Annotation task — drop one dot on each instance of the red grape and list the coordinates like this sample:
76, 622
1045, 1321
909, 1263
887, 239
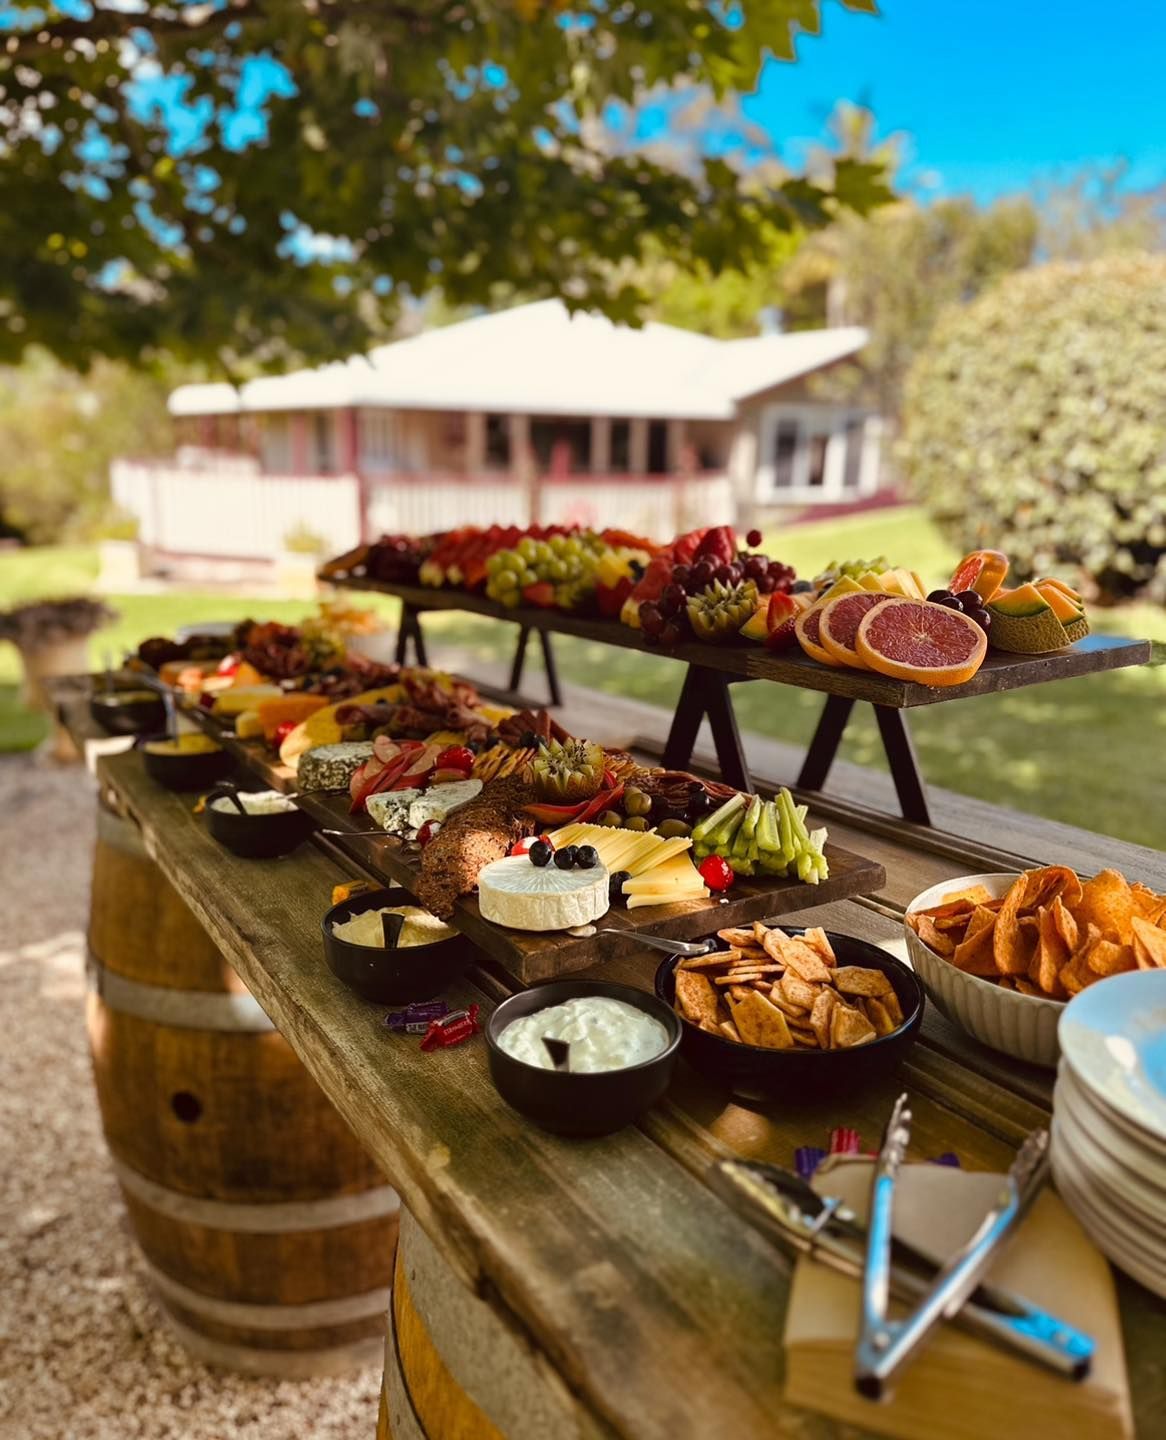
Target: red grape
681, 574
766, 584
702, 573
672, 600
753, 538
756, 566
671, 634
723, 574
651, 620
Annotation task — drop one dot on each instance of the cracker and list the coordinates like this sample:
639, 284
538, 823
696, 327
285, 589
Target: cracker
824, 1005
818, 940
760, 1023
858, 980
799, 957
848, 1028
798, 991
696, 997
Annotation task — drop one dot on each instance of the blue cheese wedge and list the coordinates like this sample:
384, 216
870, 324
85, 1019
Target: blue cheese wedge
401, 812
331, 767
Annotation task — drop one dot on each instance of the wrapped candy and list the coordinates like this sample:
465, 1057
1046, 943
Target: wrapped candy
451, 1029
416, 1019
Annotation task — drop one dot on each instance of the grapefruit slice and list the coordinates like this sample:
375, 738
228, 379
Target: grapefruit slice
916, 640
806, 629
839, 625
982, 571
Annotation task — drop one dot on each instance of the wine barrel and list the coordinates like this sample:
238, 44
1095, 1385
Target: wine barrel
453, 1368
268, 1233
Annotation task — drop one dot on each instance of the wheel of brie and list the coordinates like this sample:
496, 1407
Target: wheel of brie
515, 893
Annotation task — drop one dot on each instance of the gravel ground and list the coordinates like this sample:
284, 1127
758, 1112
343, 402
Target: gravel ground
84, 1351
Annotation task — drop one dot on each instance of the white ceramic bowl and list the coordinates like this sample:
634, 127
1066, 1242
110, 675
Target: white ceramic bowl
1020, 1025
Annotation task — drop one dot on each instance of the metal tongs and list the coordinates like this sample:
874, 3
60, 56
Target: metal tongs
825, 1228
886, 1346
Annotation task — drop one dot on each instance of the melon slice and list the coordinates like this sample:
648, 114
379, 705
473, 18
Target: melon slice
1063, 606
1024, 623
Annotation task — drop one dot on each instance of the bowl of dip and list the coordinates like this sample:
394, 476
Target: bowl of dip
128, 712
428, 957
273, 825
623, 1047
797, 1074
191, 761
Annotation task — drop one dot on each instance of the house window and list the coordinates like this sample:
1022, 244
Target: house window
811, 453
323, 456
561, 447
275, 444
497, 442
657, 447
620, 447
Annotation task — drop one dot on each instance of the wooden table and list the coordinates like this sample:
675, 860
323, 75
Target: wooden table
711, 669
642, 1305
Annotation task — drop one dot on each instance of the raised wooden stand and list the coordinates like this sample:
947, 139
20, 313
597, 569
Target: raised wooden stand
711, 669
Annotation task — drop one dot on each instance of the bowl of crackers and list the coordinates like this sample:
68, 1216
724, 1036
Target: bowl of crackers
1000, 954
774, 1009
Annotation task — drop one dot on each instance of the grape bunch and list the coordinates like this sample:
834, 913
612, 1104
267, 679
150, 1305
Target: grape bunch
664, 621
967, 602
564, 562
851, 568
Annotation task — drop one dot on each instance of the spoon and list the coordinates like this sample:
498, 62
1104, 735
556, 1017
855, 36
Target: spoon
229, 790
686, 948
559, 1051
391, 926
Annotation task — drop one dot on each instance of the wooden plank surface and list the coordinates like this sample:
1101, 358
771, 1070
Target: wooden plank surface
533, 956
658, 1309
999, 671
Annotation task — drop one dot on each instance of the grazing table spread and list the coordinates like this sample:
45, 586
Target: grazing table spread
744, 624
546, 1285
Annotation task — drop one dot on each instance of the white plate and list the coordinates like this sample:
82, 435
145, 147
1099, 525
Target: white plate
1141, 1237
1113, 1036
1130, 1258
1123, 1141
1128, 1193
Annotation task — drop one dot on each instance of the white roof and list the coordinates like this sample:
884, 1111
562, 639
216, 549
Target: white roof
539, 359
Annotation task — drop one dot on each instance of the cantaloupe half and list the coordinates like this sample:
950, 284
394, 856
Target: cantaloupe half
1025, 623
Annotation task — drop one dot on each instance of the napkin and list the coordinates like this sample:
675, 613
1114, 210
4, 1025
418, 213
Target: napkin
958, 1385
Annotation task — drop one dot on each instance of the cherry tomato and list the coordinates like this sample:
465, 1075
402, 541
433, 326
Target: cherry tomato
456, 757
427, 832
522, 847
283, 730
229, 664
716, 872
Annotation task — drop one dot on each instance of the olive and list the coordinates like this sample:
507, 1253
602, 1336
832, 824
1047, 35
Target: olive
636, 822
610, 818
635, 802
673, 829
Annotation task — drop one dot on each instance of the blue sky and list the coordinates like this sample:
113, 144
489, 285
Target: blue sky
996, 94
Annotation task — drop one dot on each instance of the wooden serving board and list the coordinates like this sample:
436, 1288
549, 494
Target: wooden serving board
1000, 671
533, 956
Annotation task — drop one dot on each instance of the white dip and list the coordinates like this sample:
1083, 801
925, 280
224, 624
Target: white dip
367, 928
604, 1034
255, 802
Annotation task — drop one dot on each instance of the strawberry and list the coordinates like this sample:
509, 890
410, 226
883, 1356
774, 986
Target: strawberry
783, 612
541, 594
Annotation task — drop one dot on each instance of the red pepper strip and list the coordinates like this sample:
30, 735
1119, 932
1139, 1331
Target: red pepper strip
609, 779
603, 801
553, 814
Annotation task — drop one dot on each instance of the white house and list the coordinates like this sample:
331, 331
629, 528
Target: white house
522, 414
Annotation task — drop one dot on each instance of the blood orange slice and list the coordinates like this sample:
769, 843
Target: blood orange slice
806, 629
839, 625
916, 640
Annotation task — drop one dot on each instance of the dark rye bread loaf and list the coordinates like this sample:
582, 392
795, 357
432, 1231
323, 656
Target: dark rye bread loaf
472, 837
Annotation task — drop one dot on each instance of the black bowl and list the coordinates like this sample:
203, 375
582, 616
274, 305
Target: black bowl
198, 771
392, 977
570, 1103
258, 837
119, 715
758, 1074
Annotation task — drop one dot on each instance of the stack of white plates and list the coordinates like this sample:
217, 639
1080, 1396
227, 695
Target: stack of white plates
1109, 1120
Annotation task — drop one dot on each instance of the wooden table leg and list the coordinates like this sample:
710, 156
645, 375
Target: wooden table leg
825, 742
706, 693
553, 690
909, 784
410, 629
519, 664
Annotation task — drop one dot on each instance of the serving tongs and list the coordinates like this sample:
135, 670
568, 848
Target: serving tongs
825, 1228
886, 1346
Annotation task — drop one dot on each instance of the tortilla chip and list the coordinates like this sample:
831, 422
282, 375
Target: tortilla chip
1149, 944
973, 895
696, 997
818, 940
858, 980
1108, 958
1067, 927
1011, 948
1026, 987
824, 1005
934, 938
1076, 974
848, 1028
1051, 954
1045, 885
760, 1023
1107, 902
807, 963
975, 955
798, 991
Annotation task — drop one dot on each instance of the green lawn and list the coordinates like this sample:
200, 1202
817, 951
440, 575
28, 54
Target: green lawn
1084, 751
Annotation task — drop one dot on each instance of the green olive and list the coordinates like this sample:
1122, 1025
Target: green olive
636, 822
611, 818
674, 829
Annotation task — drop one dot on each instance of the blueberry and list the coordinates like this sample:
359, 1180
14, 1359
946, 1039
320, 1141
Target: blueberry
587, 857
540, 852
615, 885
565, 858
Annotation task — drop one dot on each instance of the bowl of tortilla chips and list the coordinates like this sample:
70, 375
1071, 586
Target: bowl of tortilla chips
1000, 954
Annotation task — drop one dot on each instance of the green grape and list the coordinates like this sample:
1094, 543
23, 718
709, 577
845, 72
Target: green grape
526, 548
511, 599
574, 546
558, 544
528, 577
557, 570
505, 580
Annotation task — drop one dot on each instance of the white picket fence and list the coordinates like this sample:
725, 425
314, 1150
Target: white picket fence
220, 512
